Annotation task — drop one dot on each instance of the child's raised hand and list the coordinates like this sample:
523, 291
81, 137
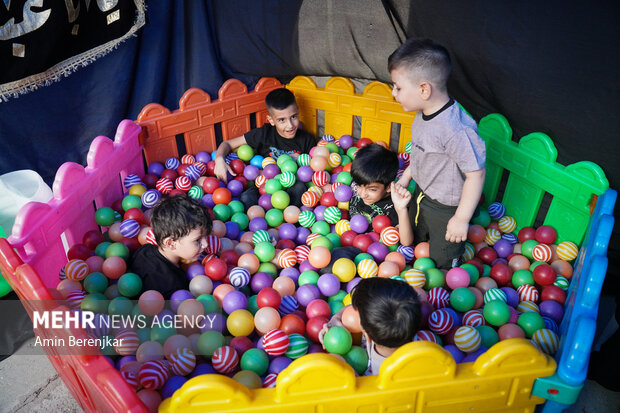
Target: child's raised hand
400, 196
456, 230
221, 169
334, 322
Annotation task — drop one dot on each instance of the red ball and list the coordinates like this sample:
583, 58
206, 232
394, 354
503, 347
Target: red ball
170, 174
241, 344
487, 255
230, 257
328, 199
375, 237
476, 234
268, 297
285, 243
150, 180
554, 293
243, 181
318, 308
176, 192
314, 326
135, 214
80, 251
347, 237
526, 233
493, 225
544, 274
379, 222
210, 184
93, 238
291, 323
222, 196
362, 242
131, 243
237, 166
211, 168
546, 234
261, 189
337, 170
118, 206
363, 142
181, 169
216, 268
501, 273
477, 263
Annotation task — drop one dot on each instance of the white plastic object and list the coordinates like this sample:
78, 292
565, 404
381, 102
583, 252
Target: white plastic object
17, 188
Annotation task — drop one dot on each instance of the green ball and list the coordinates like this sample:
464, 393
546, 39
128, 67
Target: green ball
358, 359
95, 282
321, 227
208, 342
394, 247
273, 185
117, 249
245, 152
536, 264
522, 277
268, 268
462, 299
236, 206
132, 201
308, 277
411, 186
362, 256
144, 334
209, 303
434, 278
107, 348
322, 242
344, 178
240, 219
265, 251
483, 218
222, 212
486, 270
351, 152
338, 297
280, 200
333, 148
161, 332
527, 247
471, 269
488, 335
337, 340
283, 159
530, 322
255, 360
112, 292
95, 302
130, 284
344, 159
496, 312
102, 248
334, 238
104, 216
335, 306
274, 217
423, 264
120, 306
289, 166
252, 306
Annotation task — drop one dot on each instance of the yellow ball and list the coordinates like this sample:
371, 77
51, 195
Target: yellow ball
507, 224
344, 269
567, 250
415, 277
249, 379
347, 299
137, 190
334, 160
267, 161
342, 226
343, 205
240, 323
317, 190
367, 268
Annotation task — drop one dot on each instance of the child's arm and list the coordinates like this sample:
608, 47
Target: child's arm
336, 320
456, 231
226, 147
405, 178
401, 197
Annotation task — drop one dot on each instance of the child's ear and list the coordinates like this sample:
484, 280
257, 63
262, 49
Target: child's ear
425, 90
169, 243
270, 120
388, 188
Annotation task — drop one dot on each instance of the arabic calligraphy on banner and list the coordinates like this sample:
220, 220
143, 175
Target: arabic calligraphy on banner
42, 41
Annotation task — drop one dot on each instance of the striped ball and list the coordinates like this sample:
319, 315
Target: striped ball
439, 297
397, 278
239, 277
408, 147
551, 324
425, 335
317, 190
469, 252
546, 340
183, 183
201, 167
527, 292
510, 237
268, 160
213, 244
321, 143
225, 359
527, 306
100, 325
440, 321
188, 159
389, 236
415, 277
192, 172
367, 268
150, 237
562, 282
231, 156
406, 157
334, 160
131, 378
507, 224
407, 251
473, 318
287, 179
310, 199
130, 228
76, 269
542, 252
304, 159
172, 163
494, 294
195, 192
127, 342
261, 236
307, 219
497, 210
302, 252
150, 198
288, 304
287, 258
332, 215
320, 178
61, 274
343, 226
270, 380
275, 342
467, 339
493, 235
164, 186
260, 181
399, 175
131, 180
311, 237
567, 250
297, 346
153, 374
182, 361
335, 185
327, 138
207, 258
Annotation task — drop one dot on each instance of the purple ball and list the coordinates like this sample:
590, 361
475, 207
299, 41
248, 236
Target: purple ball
232, 230
514, 315
165, 315
207, 200
265, 202
258, 223
319, 212
351, 284
202, 368
178, 297
378, 250
156, 168
456, 317
287, 231
203, 157
278, 364
234, 300
291, 272
333, 178
512, 296
457, 354
194, 270
124, 360
235, 187
551, 325
503, 248
343, 193
307, 293
473, 356
271, 171
251, 172
173, 384
359, 223
302, 234
306, 266
401, 163
551, 309
213, 322
346, 141
328, 284
304, 173
315, 348
425, 311
499, 261
261, 280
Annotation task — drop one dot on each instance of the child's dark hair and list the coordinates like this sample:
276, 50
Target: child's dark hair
374, 163
389, 310
176, 216
424, 59
279, 99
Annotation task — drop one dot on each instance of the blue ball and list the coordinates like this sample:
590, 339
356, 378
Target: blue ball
173, 384
239, 277
202, 368
232, 230
131, 180
150, 198
257, 161
288, 304
130, 228
173, 163
497, 210
192, 172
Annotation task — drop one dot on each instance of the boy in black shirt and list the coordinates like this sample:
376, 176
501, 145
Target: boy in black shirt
280, 136
180, 225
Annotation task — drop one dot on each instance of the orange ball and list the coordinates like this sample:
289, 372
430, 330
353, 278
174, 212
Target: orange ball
319, 257
266, 318
485, 283
222, 196
220, 292
149, 350
114, 232
519, 262
249, 261
291, 214
114, 267
284, 286
563, 268
398, 258
320, 151
150, 398
318, 163
246, 237
351, 319
175, 342
255, 211
422, 250
388, 269
142, 234
66, 286
219, 229
151, 302
347, 167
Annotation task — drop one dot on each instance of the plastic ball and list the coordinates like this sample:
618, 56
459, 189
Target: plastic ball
225, 359
567, 250
275, 342
389, 235
153, 374
440, 321
542, 252
546, 340
507, 224
439, 297
337, 340
76, 269
367, 268
496, 312
462, 299
497, 210
319, 257
457, 277
467, 339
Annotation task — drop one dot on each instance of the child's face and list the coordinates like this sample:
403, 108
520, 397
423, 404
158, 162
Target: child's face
373, 192
286, 121
405, 91
191, 245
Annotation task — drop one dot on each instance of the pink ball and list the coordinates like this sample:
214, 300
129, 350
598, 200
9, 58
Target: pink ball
457, 277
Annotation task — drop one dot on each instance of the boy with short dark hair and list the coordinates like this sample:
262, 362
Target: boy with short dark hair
180, 225
447, 155
281, 135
